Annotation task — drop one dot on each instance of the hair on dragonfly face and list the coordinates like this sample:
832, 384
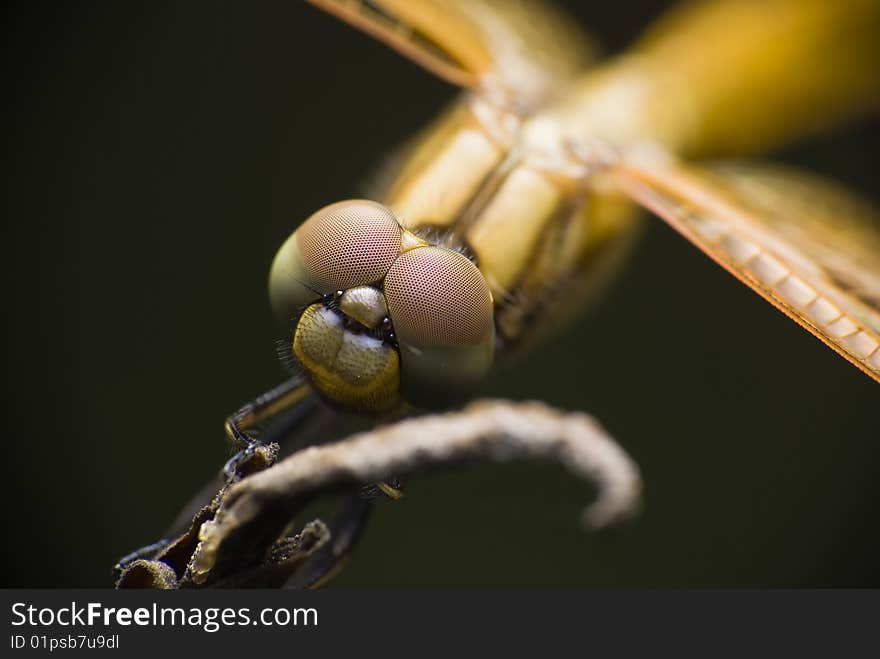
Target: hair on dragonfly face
381, 317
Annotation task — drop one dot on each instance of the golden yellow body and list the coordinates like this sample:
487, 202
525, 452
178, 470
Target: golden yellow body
537, 171
536, 167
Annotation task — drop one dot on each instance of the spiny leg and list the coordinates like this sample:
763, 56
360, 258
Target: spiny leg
346, 529
391, 488
295, 395
142, 552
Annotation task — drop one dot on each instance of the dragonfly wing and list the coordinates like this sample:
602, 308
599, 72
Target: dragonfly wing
803, 243
515, 51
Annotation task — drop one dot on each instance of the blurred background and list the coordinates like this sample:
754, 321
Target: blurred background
162, 152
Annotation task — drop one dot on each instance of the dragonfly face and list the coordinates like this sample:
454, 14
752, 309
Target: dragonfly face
381, 317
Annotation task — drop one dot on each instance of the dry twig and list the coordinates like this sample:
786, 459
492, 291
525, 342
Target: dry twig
257, 510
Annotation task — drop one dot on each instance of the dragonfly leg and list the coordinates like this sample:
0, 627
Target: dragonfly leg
346, 529
141, 552
391, 488
245, 443
241, 426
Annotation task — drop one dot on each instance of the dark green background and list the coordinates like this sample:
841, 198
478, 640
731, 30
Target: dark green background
162, 151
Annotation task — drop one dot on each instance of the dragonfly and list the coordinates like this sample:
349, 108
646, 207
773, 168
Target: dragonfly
521, 197
519, 202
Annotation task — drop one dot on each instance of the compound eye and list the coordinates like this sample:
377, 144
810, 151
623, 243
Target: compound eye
441, 307
437, 297
350, 243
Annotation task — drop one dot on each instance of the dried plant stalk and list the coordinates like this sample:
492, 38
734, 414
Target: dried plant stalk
255, 511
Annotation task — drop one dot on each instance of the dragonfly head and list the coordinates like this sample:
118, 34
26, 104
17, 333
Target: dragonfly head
380, 317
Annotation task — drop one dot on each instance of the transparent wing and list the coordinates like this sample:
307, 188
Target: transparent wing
515, 51
804, 244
